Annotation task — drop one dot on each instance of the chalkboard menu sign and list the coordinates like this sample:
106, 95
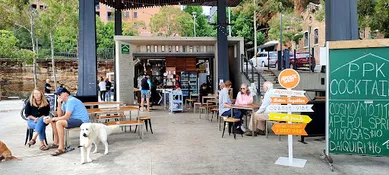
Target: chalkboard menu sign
358, 98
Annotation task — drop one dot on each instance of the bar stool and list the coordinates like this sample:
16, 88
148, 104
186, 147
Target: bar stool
145, 119
230, 121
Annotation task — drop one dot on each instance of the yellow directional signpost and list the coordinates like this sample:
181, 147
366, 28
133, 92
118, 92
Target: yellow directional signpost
289, 79
289, 117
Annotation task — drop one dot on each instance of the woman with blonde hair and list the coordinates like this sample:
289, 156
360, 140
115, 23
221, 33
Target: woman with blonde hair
36, 109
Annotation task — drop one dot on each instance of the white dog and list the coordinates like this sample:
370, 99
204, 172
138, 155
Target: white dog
92, 133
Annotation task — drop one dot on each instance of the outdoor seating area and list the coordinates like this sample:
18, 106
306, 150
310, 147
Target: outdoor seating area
181, 143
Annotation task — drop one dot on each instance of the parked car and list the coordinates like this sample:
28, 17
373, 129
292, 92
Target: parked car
303, 59
264, 59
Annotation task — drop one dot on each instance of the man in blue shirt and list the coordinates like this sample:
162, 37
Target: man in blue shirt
71, 114
225, 102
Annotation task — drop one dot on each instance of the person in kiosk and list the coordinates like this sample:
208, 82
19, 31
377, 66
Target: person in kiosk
71, 114
145, 92
262, 114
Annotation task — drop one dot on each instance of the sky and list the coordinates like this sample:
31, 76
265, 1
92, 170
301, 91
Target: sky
206, 10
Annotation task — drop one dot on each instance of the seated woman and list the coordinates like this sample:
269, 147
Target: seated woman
244, 97
36, 109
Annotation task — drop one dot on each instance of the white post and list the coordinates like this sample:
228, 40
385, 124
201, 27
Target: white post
290, 137
255, 34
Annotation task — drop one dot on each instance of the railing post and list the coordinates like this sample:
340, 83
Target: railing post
294, 60
313, 64
241, 62
247, 67
259, 85
252, 73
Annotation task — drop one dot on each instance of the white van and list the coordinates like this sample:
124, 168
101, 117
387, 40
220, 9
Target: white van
265, 58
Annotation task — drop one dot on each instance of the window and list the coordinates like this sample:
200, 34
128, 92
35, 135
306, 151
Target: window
127, 14
135, 14
306, 39
155, 48
162, 48
109, 16
316, 36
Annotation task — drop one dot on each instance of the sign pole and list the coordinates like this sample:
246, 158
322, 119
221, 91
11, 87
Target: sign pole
290, 138
289, 79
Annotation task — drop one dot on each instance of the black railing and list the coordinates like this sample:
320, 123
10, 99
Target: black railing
249, 72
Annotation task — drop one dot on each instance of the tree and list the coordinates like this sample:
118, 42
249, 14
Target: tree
202, 26
8, 44
380, 20
291, 27
131, 28
170, 21
52, 17
21, 14
365, 10
9, 49
242, 20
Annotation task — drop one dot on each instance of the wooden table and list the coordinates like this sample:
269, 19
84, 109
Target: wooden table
95, 111
251, 107
209, 97
91, 104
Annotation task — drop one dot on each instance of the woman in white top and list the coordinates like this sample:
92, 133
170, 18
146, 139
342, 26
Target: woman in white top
103, 89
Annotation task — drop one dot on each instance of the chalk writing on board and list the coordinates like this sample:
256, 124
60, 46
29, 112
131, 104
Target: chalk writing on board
366, 77
359, 111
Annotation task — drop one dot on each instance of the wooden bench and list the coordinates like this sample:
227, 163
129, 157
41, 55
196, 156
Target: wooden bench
129, 123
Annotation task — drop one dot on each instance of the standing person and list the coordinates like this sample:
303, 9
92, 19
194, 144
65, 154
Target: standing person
37, 108
225, 103
108, 86
145, 92
48, 87
103, 89
262, 114
71, 114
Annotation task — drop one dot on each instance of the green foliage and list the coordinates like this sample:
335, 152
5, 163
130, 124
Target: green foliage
320, 14
380, 21
65, 40
365, 10
8, 44
9, 49
170, 21
131, 28
25, 55
291, 25
202, 26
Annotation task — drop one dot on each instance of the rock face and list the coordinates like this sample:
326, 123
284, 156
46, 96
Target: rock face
16, 78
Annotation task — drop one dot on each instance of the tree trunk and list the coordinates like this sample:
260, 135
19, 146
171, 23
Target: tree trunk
33, 48
52, 59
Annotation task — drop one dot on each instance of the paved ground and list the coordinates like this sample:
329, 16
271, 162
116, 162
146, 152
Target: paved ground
181, 144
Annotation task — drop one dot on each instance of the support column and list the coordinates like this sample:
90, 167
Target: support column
118, 31
87, 61
222, 45
341, 20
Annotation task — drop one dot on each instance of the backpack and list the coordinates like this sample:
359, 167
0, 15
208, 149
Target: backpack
144, 85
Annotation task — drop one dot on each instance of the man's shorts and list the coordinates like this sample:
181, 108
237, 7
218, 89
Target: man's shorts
74, 123
146, 94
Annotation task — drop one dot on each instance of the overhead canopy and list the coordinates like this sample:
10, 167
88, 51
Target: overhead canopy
134, 4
